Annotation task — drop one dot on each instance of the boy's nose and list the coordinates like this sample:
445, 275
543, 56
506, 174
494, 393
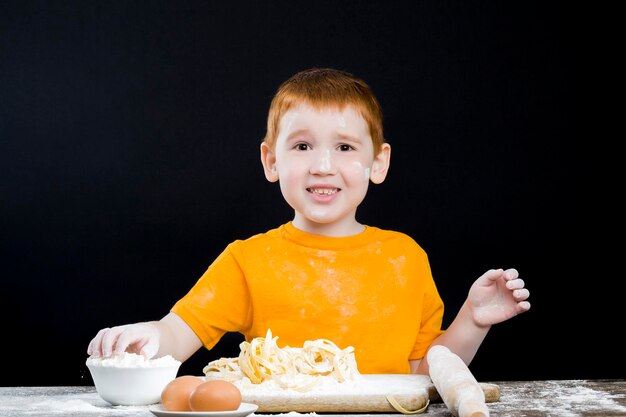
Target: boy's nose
323, 163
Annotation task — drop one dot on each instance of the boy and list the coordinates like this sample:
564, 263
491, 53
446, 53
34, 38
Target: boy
324, 275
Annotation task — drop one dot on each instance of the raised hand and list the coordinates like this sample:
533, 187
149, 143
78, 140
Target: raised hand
497, 296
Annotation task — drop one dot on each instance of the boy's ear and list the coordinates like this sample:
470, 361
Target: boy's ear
268, 159
380, 167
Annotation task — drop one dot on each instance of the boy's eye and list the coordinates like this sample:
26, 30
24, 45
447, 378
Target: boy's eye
302, 146
345, 148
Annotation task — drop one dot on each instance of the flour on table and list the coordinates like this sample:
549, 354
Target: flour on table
572, 401
84, 405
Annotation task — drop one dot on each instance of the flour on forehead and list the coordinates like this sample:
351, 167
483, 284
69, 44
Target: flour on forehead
289, 118
346, 119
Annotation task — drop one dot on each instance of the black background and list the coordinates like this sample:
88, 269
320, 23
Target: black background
129, 158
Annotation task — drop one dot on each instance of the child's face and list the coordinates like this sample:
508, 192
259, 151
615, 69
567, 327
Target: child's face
323, 160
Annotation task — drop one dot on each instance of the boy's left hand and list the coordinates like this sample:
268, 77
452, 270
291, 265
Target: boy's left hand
497, 296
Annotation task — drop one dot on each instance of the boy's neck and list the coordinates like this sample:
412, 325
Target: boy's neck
347, 227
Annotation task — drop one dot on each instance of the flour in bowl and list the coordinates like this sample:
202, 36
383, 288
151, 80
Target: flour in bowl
132, 360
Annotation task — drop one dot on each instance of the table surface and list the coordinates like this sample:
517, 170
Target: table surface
566, 398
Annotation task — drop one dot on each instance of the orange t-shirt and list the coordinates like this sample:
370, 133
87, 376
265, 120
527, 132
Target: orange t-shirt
373, 291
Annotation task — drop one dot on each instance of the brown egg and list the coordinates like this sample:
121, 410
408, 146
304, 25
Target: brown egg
175, 395
215, 395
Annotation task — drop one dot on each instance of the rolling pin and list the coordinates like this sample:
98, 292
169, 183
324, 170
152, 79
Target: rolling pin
456, 385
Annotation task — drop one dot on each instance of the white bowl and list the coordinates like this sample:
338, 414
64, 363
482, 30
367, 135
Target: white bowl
132, 384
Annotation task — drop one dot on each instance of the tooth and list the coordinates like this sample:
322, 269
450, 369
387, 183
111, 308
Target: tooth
323, 191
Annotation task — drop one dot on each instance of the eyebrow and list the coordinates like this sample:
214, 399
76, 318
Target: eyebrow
296, 133
349, 138
342, 136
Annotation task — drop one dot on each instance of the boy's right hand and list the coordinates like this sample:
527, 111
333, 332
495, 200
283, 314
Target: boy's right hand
141, 338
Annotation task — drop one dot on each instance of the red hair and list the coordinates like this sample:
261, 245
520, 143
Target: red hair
321, 88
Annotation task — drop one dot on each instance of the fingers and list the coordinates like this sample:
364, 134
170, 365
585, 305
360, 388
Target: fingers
523, 306
107, 342
518, 291
511, 274
521, 294
121, 340
515, 284
150, 349
111, 343
512, 282
138, 338
142, 338
95, 346
490, 276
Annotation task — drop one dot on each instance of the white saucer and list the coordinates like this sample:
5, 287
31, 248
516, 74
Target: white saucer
243, 410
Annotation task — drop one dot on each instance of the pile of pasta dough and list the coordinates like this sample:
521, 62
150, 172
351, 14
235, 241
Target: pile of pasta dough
300, 369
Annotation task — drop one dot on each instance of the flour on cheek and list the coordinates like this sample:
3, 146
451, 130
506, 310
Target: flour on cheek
358, 166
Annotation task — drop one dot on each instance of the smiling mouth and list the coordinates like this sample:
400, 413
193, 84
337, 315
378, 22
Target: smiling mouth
323, 191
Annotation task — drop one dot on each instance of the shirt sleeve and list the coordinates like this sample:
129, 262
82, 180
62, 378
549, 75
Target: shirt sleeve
219, 302
432, 318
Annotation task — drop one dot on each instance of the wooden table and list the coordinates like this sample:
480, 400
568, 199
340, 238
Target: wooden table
570, 398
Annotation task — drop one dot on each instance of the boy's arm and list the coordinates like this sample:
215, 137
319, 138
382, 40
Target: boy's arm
496, 296
169, 336
177, 338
